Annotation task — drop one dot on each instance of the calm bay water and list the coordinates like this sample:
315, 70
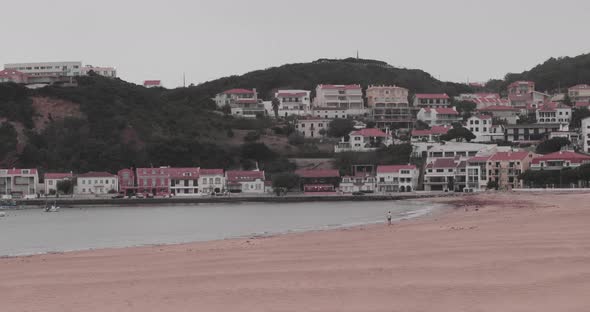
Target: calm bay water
32, 231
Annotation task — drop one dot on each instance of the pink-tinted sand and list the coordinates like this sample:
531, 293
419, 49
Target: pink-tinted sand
518, 252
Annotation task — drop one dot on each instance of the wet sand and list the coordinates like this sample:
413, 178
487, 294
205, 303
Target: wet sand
494, 252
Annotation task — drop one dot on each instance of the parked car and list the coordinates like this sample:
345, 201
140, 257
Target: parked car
358, 193
118, 196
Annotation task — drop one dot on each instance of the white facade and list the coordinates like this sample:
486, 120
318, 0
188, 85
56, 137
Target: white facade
579, 93
311, 128
19, 182
461, 150
96, 184
347, 97
293, 102
561, 114
243, 102
358, 183
585, 137
484, 130
51, 180
47, 72
397, 178
364, 140
211, 181
439, 116
110, 72
435, 100
329, 113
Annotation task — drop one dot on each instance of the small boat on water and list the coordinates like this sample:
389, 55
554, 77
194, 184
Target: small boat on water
2, 214
53, 208
7, 204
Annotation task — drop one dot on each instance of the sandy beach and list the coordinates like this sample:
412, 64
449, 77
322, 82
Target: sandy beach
493, 252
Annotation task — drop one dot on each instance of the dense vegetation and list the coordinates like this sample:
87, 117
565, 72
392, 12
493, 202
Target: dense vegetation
557, 178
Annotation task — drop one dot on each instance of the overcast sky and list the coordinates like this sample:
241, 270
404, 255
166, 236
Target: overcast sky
456, 40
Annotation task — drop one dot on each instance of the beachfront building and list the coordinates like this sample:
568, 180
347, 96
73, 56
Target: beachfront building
397, 178
483, 129
150, 182
364, 140
505, 113
439, 116
432, 100
47, 72
243, 102
212, 181
96, 183
184, 181
344, 97
12, 75
246, 182
105, 71
529, 132
329, 113
390, 107
559, 160
585, 135
360, 182
439, 174
152, 83
476, 174
429, 135
19, 183
311, 127
553, 112
127, 182
293, 102
505, 168
50, 181
461, 150
579, 93
318, 181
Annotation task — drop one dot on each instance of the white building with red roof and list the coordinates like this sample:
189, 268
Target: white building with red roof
519, 93
360, 182
439, 116
312, 127
184, 181
390, 107
397, 178
553, 112
483, 128
50, 181
12, 75
152, 83
243, 102
212, 181
559, 160
508, 114
20, 183
579, 93
294, 102
364, 140
505, 168
439, 174
245, 182
429, 135
343, 97
96, 183
585, 135
432, 100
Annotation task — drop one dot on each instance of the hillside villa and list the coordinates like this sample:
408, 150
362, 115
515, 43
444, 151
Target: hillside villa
397, 178
364, 140
439, 116
243, 102
431, 100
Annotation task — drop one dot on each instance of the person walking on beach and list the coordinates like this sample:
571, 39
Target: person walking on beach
389, 218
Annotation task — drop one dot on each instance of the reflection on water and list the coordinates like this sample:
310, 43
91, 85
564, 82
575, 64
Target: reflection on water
33, 231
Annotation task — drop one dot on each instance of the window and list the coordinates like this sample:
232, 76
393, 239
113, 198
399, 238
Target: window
83, 190
50, 182
83, 181
204, 180
217, 180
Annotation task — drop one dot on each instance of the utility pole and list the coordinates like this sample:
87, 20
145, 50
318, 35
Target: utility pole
183, 80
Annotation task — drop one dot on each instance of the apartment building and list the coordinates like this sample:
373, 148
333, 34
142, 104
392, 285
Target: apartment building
559, 160
96, 183
360, 182
579, 93
150, 182
519, 93
461, 150
529, 132
390, 107
439, 174
312, 127
553, 112
508, 114
184, 181
11, 75
397, 178
432, 100
429, 135
330, 113
483, 129
246, 182
47, 72
50, 181
476, 173
505, 168
439, 116
212, 181
243, 102
364, 140
293, 102
585, 135
20, 183
344, 97
105, 71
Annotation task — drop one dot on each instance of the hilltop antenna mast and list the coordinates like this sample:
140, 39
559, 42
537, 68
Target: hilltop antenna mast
183, 80
357, 54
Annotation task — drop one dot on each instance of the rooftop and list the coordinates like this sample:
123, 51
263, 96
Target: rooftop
238, 91
443, 163
432, 96
394, 168
93, 174
318, 173
570, 156
370, 132
152, 83
442, 111
506, 156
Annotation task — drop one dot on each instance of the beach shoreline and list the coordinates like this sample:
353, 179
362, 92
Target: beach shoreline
490, 252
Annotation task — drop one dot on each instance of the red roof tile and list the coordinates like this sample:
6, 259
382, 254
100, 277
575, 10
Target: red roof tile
570, 156
580, 87
16, 171
582, 104
517, 83
152, 83
286, 94
211, 172
57, 176
93, 174
239, 91
180, 173
443, 163
446, 111
483, 116
432, 96
506, 156
370, 132
339, 87
432, 131
497, 108
318, 173
234, 176
394, 168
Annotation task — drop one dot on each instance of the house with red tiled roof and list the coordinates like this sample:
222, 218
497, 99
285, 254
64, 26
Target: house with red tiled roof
559, 160
246, 182
364, 140
359, 182
483, 128
293, 102
579, 93
96, 183
317, 181
431, 100
12, 75
19, 183
152, 83
212, 181
505, 168
506, 113
439, 174
243, 102
553, 112
439, 116
429, 135
50, 181
397, 178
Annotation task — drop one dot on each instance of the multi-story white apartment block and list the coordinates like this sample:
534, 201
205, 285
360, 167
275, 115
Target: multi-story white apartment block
329, 113
19, 182
312, 127
439, 174
364, 140
293, 102
552, 113
529, 132
361, 182
580, 93
397, 178
519, 93
439, 116
432, 100
461, 150
110, 72
243, 102
585, 135
508, 114
96, 183
483, 129
47, 72
184, 181
390, 107
212, 181
51, 180
476, 174
343, 97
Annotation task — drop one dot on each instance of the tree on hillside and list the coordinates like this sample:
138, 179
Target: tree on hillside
257, 152
584, 173
275, 107
458, 133
567, 100
465, 108
578, 115
8, 139
340, 127
552, 145
65, 187
421, 125
283, 182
